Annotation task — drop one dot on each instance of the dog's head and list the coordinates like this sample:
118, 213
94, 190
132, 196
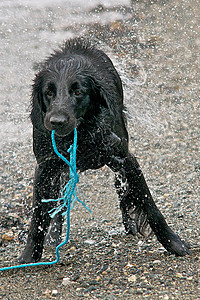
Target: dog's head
71, 88
64, 94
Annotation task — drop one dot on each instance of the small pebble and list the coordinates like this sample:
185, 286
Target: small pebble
47, 292
179, 275
9, 236
104, 272
98, 278
66, 281
90, 242
165, 195
54, 292
128, 265
132, 278
72, 249
190, 278
156, 262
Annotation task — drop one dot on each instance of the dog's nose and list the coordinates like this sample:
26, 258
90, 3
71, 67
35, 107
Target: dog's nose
58, 121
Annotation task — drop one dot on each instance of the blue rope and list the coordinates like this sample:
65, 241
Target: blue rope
68, 197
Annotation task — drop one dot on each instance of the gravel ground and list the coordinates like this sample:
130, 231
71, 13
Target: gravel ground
155, 47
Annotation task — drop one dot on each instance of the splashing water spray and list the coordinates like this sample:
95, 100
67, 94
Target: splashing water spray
68, 199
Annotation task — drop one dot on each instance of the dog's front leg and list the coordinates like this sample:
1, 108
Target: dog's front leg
138, 208
46, 186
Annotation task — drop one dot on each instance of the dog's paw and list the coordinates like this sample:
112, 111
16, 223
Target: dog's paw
29, 255
177, 246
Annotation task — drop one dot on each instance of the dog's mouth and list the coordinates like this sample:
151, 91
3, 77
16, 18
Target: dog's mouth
64, 129
62, 133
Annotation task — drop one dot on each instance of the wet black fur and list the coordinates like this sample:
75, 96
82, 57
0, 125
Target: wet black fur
78, 86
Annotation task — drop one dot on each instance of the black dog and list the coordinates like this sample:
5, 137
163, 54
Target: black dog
78, 86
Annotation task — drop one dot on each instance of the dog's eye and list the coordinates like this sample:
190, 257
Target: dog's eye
77, 92
49, 93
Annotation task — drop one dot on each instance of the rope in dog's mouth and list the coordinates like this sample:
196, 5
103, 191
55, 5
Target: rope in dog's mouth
67, 199
68, 193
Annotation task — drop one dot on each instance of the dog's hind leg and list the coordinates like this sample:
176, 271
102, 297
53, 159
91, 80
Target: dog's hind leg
139, 211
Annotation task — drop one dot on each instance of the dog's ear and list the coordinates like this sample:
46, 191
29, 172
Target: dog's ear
37, 111
109, 94
112, 99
